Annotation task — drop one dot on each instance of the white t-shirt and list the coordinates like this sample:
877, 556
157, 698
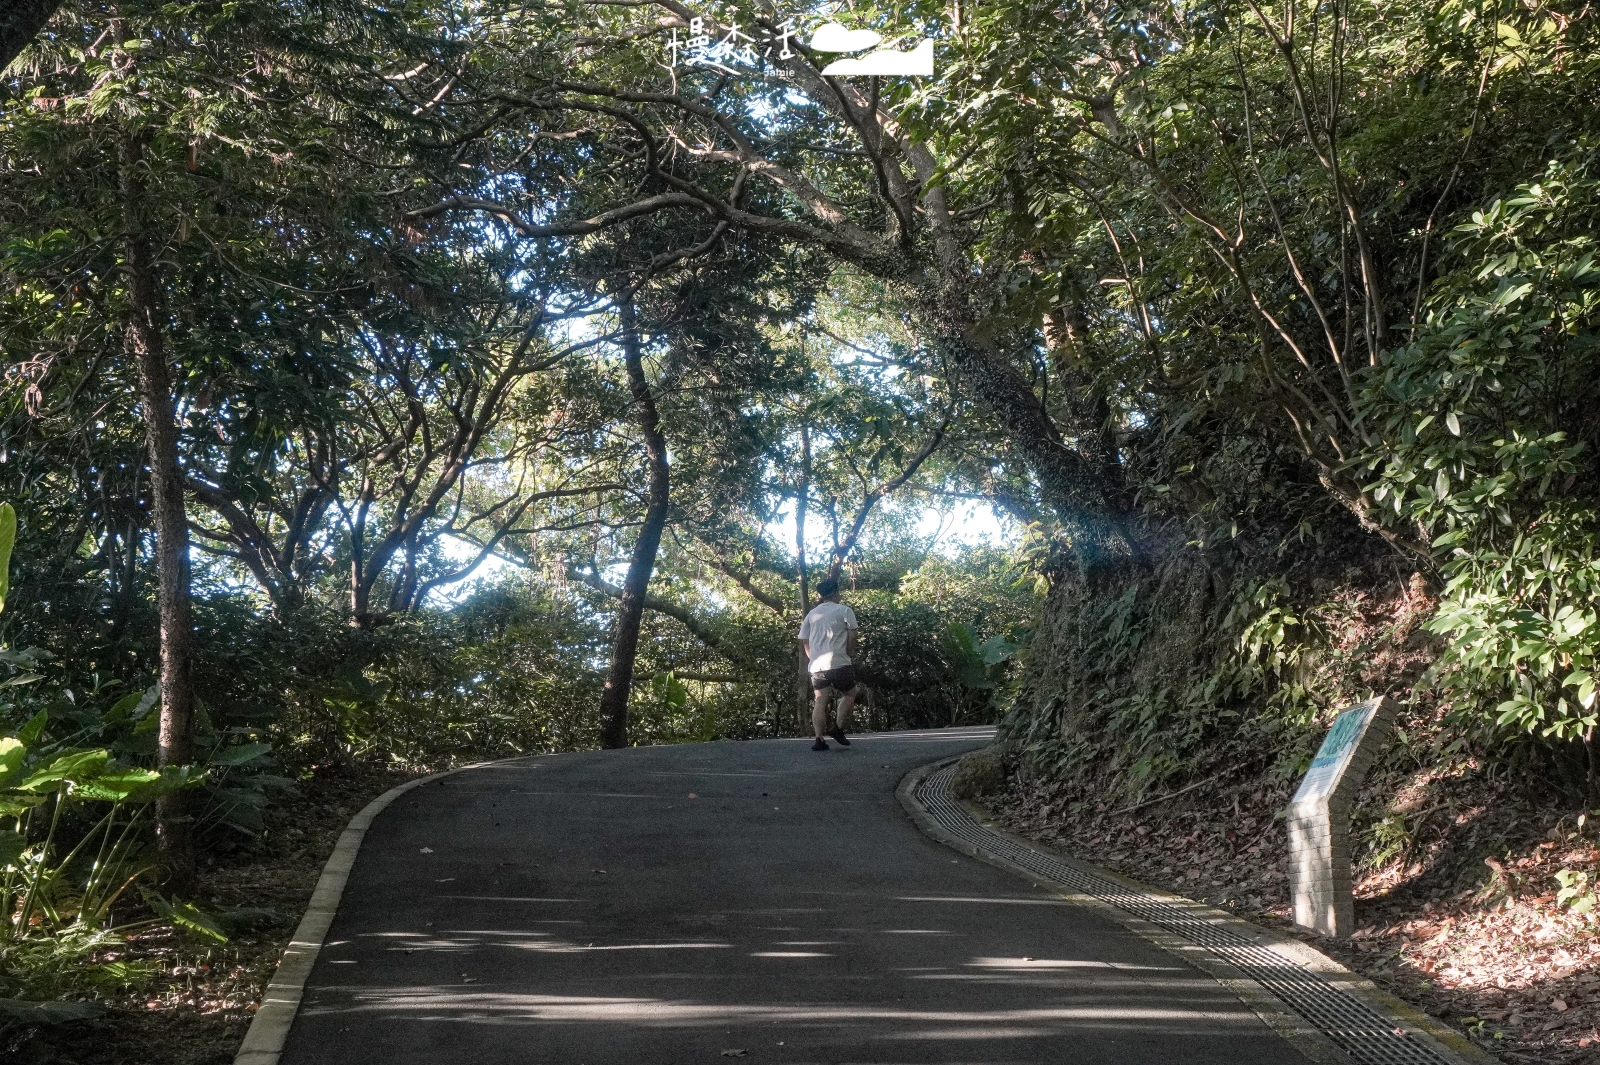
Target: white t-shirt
827, 629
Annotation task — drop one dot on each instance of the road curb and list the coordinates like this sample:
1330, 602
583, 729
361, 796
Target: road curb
1306, 1038
269, 1030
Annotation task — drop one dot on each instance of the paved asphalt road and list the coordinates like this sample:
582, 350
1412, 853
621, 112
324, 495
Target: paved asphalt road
754, 901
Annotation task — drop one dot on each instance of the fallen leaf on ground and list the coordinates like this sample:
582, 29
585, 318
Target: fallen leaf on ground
1455, 933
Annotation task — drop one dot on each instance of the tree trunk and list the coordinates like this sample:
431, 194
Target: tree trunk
146, 344
1066, 334
630, 608
802, 499
1100, 540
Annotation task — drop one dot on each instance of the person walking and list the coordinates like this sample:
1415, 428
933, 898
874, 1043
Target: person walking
828, 635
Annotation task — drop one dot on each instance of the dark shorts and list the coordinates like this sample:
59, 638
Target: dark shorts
841, 680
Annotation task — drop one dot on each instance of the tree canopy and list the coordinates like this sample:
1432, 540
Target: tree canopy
455, 379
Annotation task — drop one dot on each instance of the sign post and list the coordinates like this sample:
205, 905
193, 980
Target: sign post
1319, 817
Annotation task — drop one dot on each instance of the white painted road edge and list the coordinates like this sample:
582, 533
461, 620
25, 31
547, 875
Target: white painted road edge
263, 1043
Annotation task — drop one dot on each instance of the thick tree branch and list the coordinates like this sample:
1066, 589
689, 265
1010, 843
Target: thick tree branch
697, 628
582, 227
747, 582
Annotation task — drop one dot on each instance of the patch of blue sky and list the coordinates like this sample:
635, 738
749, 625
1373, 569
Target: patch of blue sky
943, 526
961, 524
458, 552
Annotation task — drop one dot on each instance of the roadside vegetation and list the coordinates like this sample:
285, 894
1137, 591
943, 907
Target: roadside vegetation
386, 388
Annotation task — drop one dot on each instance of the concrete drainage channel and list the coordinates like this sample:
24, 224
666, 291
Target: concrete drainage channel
1363, 1024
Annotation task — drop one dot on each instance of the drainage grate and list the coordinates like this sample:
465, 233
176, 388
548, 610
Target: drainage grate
1362, 1033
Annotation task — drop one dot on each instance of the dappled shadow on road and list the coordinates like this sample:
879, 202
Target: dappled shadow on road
531, 922
1106, 1008
802, 991
464, 941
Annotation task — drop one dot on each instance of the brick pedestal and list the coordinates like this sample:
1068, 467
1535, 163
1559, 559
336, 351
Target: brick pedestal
1319, 817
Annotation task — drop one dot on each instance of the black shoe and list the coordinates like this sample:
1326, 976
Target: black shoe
820, 745
838, 737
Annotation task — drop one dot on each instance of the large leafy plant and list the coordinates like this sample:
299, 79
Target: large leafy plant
56, 897
1477, 418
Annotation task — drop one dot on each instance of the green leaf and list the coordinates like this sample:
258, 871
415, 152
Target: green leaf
73, 767
24, 659
12, 751
30, 733
670, 690
8, 537
151, 695
122, 707
239, 754
188, 915
16, 805
1453, 423
12, 844
117, 785
996, 649
171, 778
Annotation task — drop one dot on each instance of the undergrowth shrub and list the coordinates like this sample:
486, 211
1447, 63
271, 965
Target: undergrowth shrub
1487, 445
1202, 668
76, 855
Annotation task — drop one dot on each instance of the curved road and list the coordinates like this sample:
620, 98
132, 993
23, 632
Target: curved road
674, 905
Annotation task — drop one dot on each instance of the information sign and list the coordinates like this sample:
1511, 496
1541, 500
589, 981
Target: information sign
1333, 757
1319, 817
